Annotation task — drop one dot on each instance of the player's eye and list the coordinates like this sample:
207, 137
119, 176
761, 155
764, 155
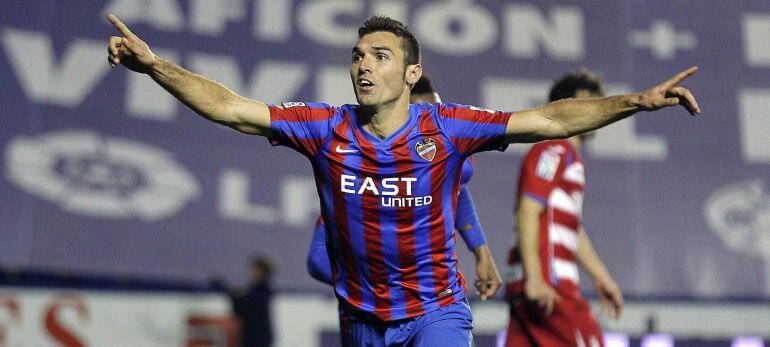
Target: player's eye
357, 57
382, 56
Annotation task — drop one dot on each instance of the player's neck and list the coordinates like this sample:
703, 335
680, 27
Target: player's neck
577, 142
384, 120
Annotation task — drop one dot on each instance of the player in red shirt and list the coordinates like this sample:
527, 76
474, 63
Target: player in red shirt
543, 283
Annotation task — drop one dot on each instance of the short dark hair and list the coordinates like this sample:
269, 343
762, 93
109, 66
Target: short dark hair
582, 78
423, 86
409, 43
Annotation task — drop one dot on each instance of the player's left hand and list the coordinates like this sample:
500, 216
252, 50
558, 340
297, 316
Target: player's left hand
128, 49
669, 93
610, 297
488, 280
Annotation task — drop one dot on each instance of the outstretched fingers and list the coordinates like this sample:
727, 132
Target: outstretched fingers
548, 302
113, 49
686, 99
604, 305
120, 26
617, 301
680, 77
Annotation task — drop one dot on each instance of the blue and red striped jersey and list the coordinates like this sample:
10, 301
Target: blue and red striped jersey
389, 204
466, 223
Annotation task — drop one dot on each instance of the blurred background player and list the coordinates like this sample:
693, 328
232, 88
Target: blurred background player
252, 305
546, 306
467, 222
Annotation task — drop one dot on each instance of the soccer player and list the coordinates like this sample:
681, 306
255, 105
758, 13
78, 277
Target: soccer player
388, 172
546, 306
467, 222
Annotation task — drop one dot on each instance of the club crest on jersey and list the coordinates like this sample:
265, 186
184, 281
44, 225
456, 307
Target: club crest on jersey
426, 148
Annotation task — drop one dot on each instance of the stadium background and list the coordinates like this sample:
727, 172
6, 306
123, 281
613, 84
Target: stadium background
105, 175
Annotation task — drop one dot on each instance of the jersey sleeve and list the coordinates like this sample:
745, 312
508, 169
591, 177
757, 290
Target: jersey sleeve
300, 126
474, 129
318, 265
467, 221
540, 171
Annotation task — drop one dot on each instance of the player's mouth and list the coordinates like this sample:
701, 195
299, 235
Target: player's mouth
365, 85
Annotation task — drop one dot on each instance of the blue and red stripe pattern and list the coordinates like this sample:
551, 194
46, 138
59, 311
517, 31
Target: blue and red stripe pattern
389, 204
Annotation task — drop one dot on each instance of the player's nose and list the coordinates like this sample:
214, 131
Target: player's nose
365, 65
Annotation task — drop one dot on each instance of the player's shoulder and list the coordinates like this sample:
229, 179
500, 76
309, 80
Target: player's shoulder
286, 105
306, 111
545, 159
452, 107
552, 147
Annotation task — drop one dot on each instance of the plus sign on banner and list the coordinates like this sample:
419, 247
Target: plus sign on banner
663, 40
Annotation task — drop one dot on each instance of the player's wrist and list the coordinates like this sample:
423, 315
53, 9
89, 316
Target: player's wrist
602, 278
158, 66
481, 252
534, 281
632, 102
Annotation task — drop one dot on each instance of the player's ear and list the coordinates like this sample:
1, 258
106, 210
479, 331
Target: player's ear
413, 74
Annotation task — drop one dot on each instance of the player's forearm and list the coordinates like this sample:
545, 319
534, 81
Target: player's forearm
588, 259
576, 116
482, 252
529, 245
570, 117
206, 97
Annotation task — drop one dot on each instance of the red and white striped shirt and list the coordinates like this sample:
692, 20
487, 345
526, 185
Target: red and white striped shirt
552, 173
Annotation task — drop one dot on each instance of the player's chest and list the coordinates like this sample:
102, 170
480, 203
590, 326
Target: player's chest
572, 178
410, 153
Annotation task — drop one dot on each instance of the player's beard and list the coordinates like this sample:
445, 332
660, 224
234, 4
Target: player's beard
381, 97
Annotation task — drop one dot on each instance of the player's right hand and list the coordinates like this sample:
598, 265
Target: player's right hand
669, 93
128, 49
610, 297
542, 294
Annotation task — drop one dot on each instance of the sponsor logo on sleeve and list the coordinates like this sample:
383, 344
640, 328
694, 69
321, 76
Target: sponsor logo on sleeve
481, 109
547, 165
293, 104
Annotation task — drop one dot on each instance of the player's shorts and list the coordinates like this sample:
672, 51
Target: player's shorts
571, 324
449, 326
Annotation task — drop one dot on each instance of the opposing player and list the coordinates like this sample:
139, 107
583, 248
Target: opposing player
546, 306
388, 173
467, 222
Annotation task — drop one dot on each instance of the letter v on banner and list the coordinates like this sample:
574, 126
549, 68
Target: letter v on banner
42, 79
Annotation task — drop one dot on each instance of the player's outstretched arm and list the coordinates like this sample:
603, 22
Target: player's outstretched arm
566, 118
610, 296
208, 98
